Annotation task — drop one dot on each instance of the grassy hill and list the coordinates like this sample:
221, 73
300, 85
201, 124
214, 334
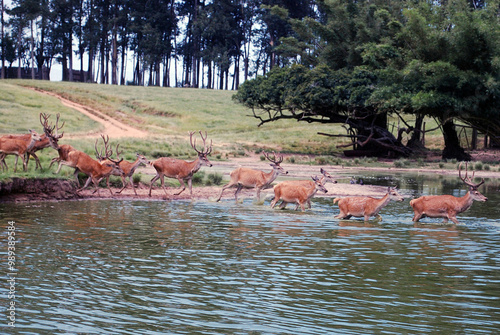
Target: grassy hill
167, 114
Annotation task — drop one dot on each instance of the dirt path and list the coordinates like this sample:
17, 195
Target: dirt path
112, 127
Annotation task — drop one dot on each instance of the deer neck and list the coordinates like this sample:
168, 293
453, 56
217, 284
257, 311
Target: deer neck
31, 144
194, 166
270, 176
464, 202
383, 201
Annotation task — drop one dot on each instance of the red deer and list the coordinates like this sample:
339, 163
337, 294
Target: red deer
297, 193
447, 206
92, 168
39, 145
128, 169
62, 150
17, 145
365, 206
78, 159
244, 177
180, 169
309, 183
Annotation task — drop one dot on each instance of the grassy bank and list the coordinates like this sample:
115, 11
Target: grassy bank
167, 114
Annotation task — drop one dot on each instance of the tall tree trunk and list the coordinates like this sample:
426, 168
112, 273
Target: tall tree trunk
90, 68
32, 51
19, 37
415, 142
123, 68
2, 40
70, 55
452, 148
114, 55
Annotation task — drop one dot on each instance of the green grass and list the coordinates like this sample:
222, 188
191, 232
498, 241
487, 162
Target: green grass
168, 114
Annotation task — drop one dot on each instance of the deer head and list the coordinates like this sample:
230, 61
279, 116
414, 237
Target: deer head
48, 129
202, 154
474, 193
275, 160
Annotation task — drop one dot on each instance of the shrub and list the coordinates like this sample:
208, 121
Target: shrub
214, 179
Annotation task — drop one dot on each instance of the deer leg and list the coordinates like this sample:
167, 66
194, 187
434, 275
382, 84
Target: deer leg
124, 185
302, 206
182, 185
417, 217
343, 215
257, 194
223, 188
37, 160
75, 174
162, 180
107, 184
379, 217
2, 162
283, 204
15, 165
25, 163
155, 178
87, 183
275, 200
96, 184
238, 189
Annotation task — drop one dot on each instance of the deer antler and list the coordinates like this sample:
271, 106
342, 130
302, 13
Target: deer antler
206, 151
108, 152
468, 180
274, 160
48, 129
118, 153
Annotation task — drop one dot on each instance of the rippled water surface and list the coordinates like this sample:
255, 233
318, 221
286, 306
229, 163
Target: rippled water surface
138, 267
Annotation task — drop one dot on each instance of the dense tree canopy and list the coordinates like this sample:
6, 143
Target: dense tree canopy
367, 59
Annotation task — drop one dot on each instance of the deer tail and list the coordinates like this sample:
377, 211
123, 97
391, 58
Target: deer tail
412, 202
336, 200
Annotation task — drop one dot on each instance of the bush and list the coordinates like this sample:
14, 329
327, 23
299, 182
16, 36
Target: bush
136, 178
214, 179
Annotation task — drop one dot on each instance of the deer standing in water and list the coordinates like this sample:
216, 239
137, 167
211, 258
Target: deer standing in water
448, 206
243, 177
308, 183
365, 206
180, 169
299, 193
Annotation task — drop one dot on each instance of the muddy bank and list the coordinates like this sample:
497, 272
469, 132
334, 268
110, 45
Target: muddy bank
50, 189
21, 189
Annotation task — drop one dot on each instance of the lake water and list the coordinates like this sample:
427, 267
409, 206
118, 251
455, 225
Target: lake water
157, 267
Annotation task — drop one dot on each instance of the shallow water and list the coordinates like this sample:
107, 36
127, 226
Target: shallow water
137, 267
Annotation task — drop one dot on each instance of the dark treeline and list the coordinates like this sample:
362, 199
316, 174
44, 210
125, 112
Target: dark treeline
199, 43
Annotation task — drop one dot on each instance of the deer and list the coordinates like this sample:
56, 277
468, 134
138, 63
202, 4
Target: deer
243, 177
62, 150
299, 193
366, 206
79, 160
448, 206
94, 169
39, 145
309, 183
16, 145
128, 169
180, 169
